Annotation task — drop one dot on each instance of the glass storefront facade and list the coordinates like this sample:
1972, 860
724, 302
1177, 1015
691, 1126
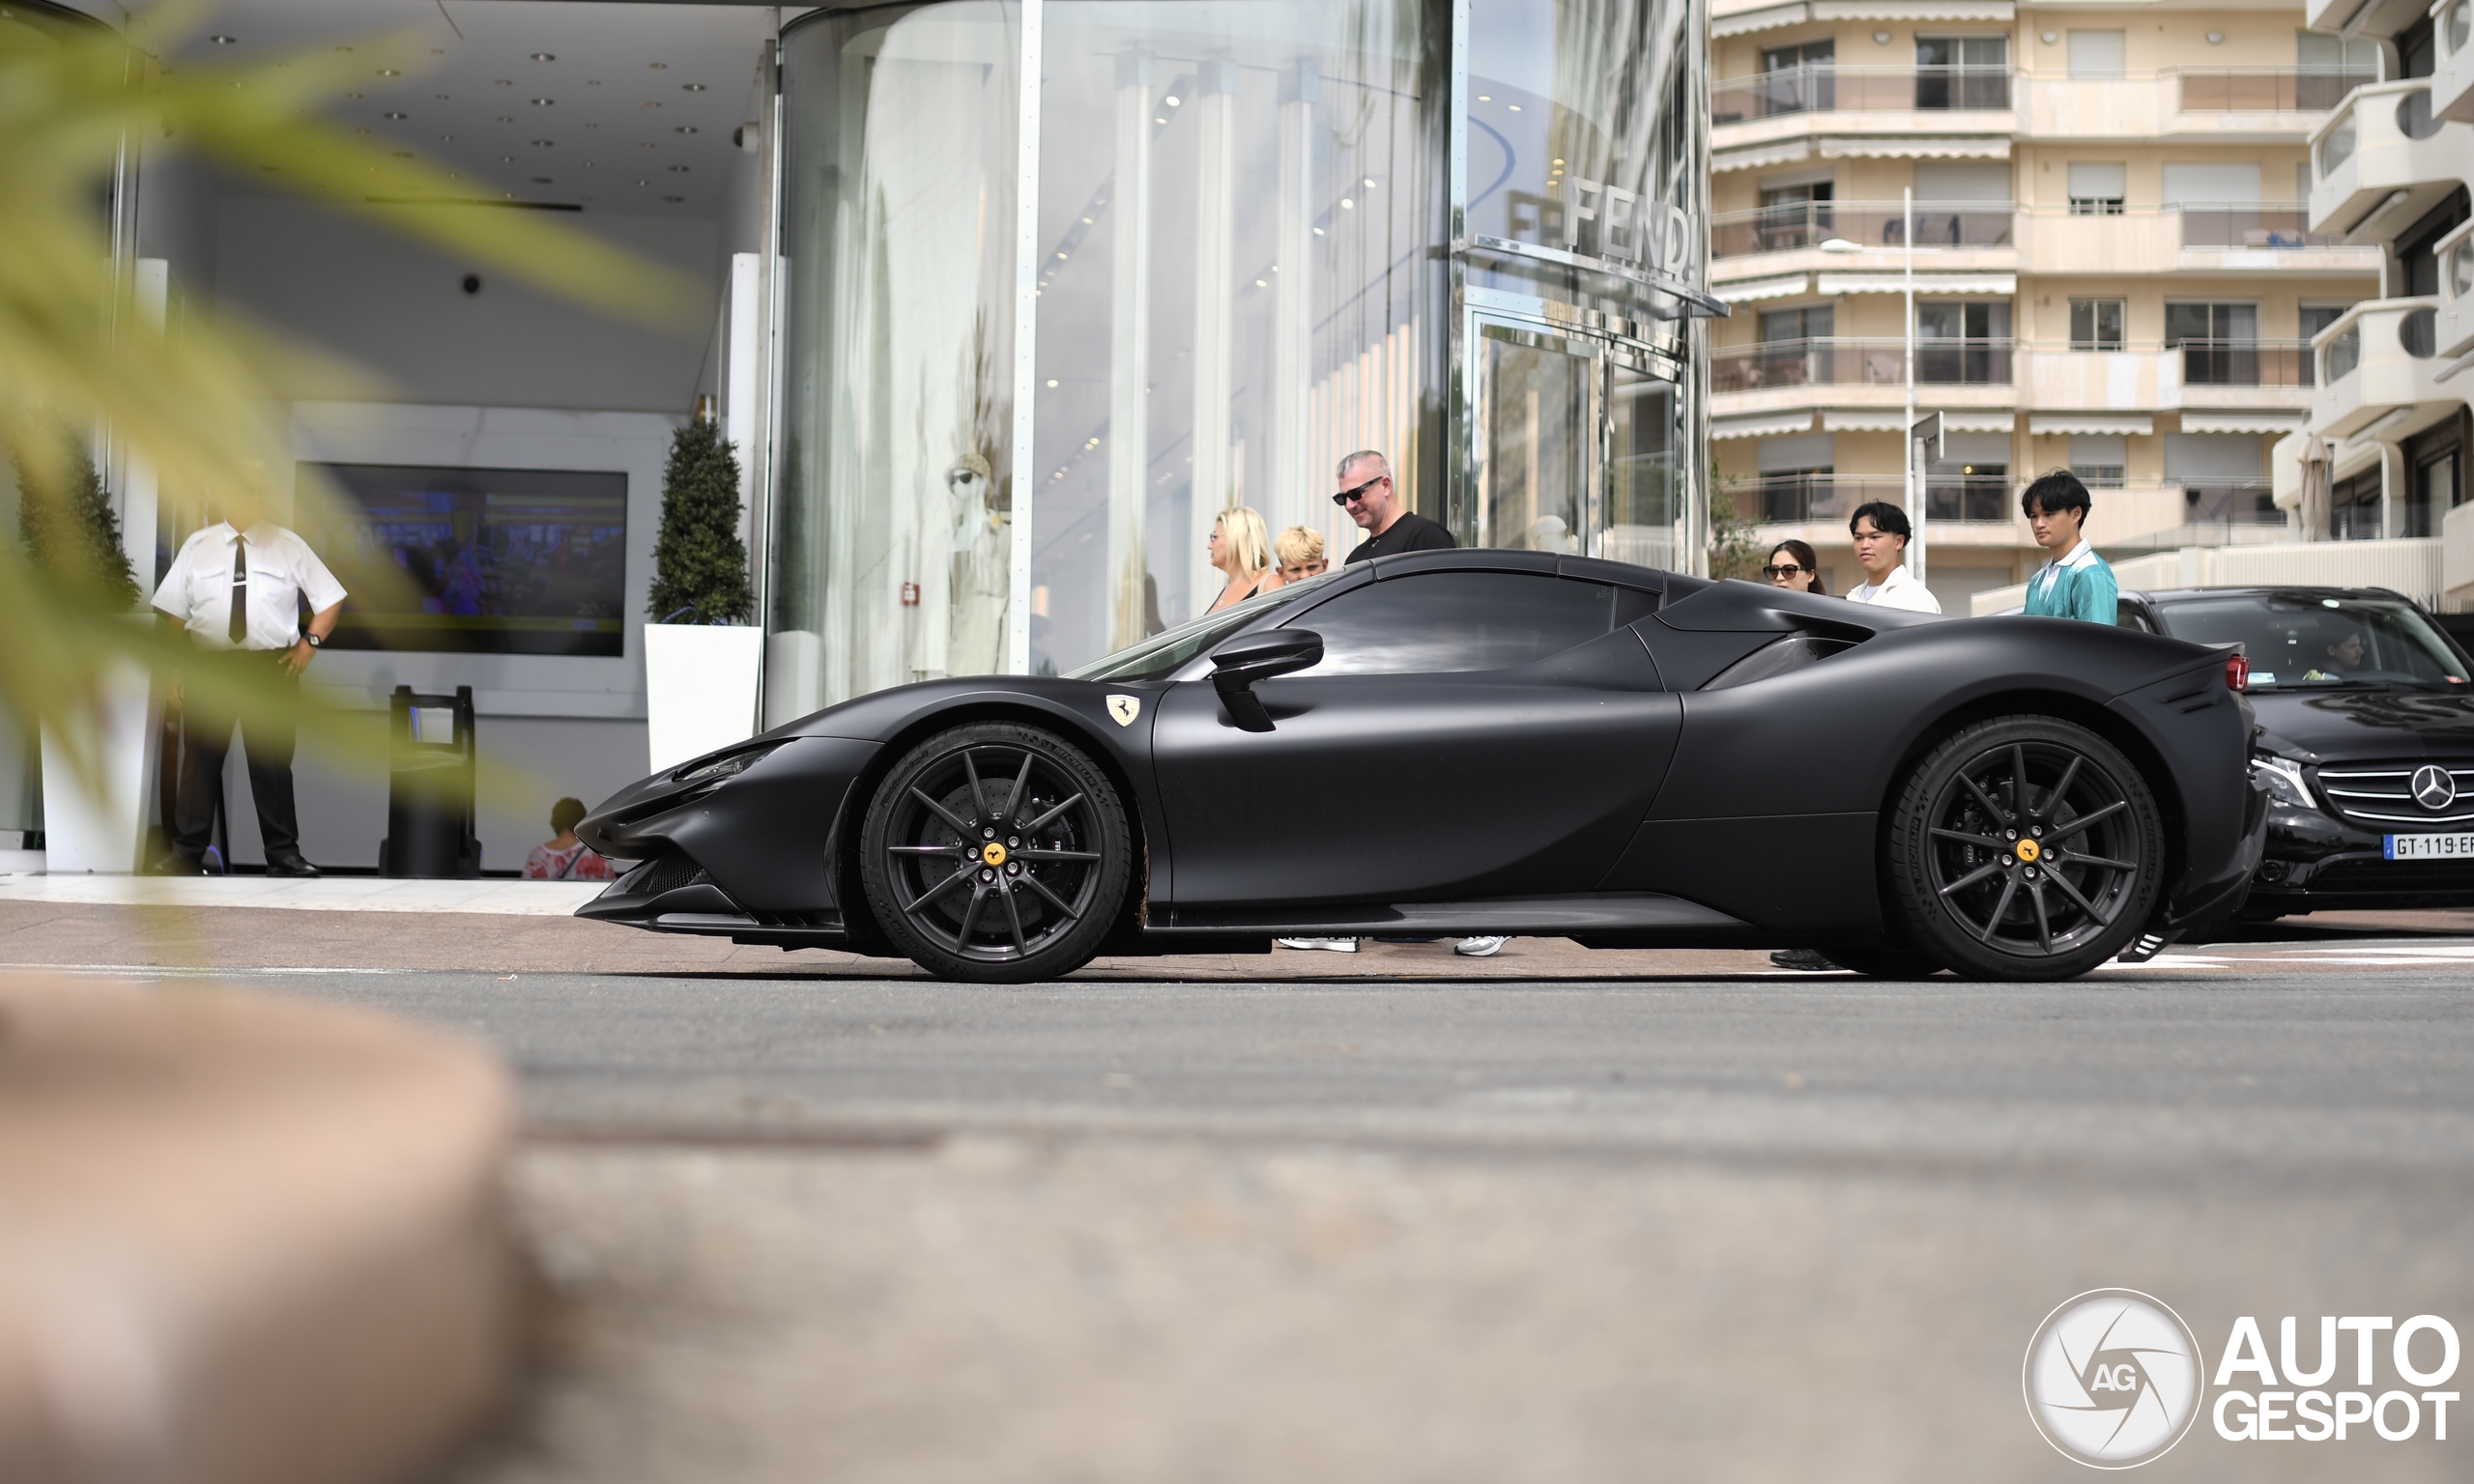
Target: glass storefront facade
1246, 238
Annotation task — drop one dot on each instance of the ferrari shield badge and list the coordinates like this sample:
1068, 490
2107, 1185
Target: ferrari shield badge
1125, 708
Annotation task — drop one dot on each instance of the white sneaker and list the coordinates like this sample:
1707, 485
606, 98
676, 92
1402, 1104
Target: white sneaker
1480, 947
1336, 945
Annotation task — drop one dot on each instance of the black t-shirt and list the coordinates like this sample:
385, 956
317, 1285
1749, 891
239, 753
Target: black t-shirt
1411, 533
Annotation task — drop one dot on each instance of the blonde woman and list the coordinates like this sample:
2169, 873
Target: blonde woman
1299, 550
1241, 549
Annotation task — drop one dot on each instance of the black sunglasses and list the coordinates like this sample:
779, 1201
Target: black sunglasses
1789, 569
1345, 495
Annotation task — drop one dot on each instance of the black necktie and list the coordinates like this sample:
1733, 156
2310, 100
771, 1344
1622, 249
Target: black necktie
239, 626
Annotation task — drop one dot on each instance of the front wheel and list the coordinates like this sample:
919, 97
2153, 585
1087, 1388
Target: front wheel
996, 853
2026, 847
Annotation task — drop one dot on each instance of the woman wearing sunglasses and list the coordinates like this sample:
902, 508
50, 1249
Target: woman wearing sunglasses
1794, 565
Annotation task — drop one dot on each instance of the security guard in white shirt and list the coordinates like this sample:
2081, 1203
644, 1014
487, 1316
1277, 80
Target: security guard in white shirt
238, 594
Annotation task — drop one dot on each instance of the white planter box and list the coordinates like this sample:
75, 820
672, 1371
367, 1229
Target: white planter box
98, 824
699, 689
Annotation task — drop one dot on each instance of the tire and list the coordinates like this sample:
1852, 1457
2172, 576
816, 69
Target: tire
2048, 890
1045, 835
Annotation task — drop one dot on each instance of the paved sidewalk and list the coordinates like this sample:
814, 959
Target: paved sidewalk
494, 895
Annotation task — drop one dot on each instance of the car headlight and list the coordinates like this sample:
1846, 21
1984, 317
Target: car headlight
2285, 782
720, 768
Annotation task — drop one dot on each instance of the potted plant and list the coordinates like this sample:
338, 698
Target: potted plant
703, 659
94, 817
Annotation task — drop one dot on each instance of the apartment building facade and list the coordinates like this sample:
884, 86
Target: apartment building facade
2116, 268
2390, 426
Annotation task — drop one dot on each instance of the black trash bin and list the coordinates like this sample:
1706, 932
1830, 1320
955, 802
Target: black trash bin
429, 792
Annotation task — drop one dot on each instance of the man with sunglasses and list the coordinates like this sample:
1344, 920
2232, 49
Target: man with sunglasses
1368, 495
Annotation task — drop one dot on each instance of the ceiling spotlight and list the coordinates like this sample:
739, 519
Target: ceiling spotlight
403, 154
541, 180
391, 113
543, 103
225, 41
2216, 38
506, 159
543, 56
661, 67
674, 200
343, 48
506, 117
692, 87
446, 138
685, 128
542, 144
442, 97
679, 169
644, 182
507, 83
1370, 185
1174, 100
361, 130
352, 94
389, 71
652, 105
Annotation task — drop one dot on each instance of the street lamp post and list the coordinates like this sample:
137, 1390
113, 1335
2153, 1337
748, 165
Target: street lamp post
1909, 484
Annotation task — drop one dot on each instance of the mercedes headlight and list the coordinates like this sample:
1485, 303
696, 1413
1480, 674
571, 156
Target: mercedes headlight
2285, 782
721, 768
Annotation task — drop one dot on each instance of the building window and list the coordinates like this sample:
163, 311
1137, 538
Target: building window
2096, 323
2100, 459
1798, 79
1965, 343
2096, 54
1794, 217
1973, 481
2353, 508
2098, 189
1962, 71
2220, 342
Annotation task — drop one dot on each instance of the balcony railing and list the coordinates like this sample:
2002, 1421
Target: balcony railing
1777, 363
1860, 90
2269, 90
1795, 499
1865, 223
2246, 363
2266, 224
2231, 502
1974, 499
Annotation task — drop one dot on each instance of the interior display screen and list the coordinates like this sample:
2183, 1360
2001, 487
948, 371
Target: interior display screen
476, 560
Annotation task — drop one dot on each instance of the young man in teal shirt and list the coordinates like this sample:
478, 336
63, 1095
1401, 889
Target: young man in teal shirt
2076, 583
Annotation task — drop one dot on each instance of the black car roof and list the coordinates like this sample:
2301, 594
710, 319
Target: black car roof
1463, 558
2295, 590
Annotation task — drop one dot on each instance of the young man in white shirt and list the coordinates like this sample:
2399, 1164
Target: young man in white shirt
238, 594
1880, 531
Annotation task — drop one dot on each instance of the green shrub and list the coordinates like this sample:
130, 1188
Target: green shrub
700, 564
72, 535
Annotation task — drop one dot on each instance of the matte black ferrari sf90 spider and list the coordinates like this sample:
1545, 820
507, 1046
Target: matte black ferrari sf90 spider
1488, 742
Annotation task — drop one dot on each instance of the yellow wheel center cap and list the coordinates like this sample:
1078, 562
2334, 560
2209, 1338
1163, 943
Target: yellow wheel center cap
992, 853
2029, 850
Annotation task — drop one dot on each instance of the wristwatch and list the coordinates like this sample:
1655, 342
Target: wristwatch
315, 642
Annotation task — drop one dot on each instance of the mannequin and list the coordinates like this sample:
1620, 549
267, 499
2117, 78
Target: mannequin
982, 555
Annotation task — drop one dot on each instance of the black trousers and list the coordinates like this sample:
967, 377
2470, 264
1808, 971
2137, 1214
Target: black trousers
266, 741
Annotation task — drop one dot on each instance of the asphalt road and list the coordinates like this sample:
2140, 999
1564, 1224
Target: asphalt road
1750, 1225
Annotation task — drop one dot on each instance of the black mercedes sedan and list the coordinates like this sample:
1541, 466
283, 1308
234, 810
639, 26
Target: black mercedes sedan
2366, 741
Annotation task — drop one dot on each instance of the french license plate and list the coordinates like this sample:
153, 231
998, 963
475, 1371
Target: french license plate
2428, 847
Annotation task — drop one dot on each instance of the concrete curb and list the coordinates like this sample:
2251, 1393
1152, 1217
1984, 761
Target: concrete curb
243, 1240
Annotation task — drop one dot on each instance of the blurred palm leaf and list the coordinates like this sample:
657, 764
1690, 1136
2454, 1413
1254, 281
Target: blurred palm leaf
192, 404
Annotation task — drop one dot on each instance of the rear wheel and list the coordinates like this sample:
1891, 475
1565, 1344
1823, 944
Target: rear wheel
996, 853
2026, 847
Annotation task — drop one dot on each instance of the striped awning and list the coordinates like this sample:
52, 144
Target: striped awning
1925, 283
2263, 420
2048, 424
1843, 419
1909, 147
1750, 289
1761, 155
1978, 422
1770, 17
1763, 426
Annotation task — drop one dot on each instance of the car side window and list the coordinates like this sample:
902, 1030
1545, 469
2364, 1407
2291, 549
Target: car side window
2128, 616
1446, 622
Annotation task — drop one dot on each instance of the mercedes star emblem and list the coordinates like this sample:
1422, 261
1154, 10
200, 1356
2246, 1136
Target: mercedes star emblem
2433, 788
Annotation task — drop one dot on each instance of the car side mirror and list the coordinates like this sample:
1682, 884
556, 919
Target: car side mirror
1241, 662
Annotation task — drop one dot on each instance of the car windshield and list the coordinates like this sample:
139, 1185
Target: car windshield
2304, 641
1158, 657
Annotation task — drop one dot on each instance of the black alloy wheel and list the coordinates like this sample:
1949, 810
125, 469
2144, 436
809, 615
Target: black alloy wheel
995, 853
2026, 847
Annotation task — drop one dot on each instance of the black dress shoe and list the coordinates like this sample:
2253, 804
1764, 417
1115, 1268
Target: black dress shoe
292, 862
177, 864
